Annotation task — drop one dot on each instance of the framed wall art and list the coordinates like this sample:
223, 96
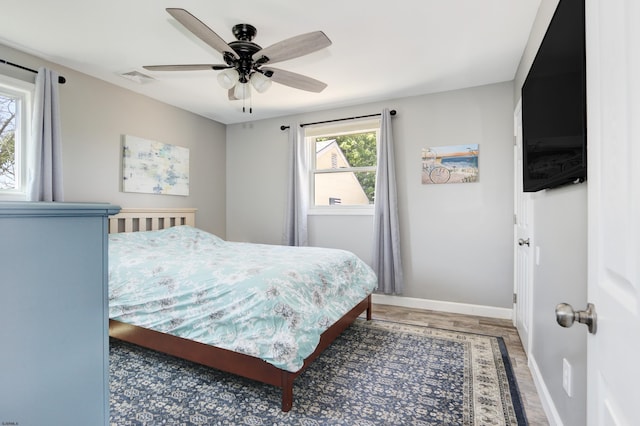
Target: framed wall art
153, 167
450, 164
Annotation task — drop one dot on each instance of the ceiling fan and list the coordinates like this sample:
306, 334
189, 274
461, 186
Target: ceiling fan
246, 63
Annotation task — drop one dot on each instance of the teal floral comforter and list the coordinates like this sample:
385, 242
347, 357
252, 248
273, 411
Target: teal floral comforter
268, 301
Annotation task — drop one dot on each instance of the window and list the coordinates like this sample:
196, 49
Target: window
344, 163
15, 105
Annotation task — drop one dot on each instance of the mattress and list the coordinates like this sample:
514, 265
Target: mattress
268, 301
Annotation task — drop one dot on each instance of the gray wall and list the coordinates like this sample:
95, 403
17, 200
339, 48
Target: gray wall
560, 232
96, 114
456, 238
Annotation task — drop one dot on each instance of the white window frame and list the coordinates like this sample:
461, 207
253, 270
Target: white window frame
24, 91
337, 129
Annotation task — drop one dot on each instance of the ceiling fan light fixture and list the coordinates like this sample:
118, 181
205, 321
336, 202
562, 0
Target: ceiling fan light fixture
260, 82
228, 78
242, 91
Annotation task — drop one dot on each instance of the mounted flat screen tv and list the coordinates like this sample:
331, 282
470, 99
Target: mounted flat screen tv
554, 121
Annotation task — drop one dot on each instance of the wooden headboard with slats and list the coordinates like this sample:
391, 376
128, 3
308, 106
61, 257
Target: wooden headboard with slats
152, 219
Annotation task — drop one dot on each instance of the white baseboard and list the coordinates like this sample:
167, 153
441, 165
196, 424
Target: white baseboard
437, 305
543, 393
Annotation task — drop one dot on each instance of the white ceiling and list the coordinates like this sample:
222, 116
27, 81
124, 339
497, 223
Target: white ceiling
380, 50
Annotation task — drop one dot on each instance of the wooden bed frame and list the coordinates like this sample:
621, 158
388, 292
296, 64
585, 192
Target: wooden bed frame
132, 220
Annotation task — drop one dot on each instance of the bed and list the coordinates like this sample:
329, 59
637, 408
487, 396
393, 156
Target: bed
303, 310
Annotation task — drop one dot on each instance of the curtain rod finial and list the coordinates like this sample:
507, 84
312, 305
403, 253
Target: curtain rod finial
284, 127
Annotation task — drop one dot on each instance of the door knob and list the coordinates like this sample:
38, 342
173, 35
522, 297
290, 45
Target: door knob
566, 316
522, 242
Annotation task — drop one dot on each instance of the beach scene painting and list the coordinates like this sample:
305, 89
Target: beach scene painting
450, 164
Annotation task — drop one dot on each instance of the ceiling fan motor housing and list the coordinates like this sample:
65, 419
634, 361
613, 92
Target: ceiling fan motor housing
244, 32
245, 49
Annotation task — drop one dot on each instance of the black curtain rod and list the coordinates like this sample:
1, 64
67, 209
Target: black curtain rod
392, 112
61, 79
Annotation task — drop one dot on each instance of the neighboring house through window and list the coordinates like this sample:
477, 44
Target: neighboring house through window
15, 109
344, 163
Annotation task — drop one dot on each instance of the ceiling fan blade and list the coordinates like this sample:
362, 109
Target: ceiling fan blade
200, 30
294, 47
297, 81
188, 67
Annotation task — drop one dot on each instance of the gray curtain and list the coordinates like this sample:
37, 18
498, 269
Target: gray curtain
44, 181
387, 262
295, 233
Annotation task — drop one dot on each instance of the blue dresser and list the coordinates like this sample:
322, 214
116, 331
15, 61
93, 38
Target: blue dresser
54, 343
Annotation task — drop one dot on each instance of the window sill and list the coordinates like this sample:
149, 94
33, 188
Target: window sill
341, 211
13, 196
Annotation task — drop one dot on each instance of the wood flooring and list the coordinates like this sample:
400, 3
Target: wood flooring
483, 325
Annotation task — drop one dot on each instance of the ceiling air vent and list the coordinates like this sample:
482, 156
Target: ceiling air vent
137, 77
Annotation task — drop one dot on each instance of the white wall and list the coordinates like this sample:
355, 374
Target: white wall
95, 115
560, 218
456, 238
561, 235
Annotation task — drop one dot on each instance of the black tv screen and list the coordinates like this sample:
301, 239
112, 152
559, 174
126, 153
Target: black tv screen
554, 123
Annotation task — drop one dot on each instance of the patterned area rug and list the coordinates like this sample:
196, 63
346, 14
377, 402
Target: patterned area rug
376, 373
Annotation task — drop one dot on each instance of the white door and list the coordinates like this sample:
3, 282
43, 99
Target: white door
613, 121
523, 242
